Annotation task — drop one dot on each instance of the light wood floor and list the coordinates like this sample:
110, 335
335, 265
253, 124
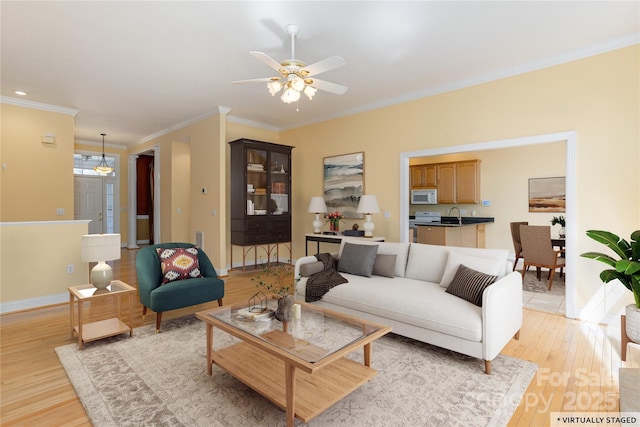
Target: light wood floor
578, 365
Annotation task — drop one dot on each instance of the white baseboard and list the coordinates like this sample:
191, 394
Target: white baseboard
26, 304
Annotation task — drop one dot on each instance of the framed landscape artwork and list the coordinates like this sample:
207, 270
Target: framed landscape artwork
343, 179
547, 194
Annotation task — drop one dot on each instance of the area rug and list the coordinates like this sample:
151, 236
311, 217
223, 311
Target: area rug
532, 284
160, 380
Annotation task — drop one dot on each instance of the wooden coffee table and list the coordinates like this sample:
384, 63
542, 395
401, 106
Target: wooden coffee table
299, 366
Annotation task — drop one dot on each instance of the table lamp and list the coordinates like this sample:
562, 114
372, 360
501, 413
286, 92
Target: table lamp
100, 248
368, 205
317, 206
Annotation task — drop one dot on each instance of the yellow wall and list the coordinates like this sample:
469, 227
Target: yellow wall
204, 167
34, 258
597, 97
38, 178
180, 200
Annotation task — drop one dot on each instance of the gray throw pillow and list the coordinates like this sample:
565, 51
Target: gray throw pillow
307, 270
357, 259
469, 284
385, 265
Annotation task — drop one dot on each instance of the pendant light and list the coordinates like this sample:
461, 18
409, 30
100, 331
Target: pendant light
103, 168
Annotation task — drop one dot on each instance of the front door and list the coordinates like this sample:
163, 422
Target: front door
88, 202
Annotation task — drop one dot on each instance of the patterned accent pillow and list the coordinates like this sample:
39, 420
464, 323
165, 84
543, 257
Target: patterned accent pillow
469, 284
179, 264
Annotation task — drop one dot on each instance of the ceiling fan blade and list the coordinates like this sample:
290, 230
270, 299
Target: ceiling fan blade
264, 79
328, 64
329, 87
263, 57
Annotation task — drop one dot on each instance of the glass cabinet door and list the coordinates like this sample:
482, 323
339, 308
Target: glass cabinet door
279, 203
256, 182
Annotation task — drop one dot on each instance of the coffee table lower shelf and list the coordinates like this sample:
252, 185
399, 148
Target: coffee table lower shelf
315, 392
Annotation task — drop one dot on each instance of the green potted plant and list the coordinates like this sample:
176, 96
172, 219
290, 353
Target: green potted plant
559, 220
626, 269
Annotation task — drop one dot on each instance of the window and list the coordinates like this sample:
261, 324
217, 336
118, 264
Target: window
83, 164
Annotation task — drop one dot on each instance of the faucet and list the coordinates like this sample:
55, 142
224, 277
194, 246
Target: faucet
459, 217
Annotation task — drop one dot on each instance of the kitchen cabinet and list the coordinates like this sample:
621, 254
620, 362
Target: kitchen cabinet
458, 182
468, 182
423, 176
260, 192
468, 236
446, 183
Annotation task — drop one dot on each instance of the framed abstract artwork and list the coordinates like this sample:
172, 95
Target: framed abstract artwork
343, 180
547, 194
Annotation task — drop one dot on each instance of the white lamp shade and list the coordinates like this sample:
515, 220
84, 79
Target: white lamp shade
317, 205
368, 204
100, 247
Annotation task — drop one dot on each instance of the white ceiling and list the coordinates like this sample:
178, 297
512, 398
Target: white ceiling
136, 68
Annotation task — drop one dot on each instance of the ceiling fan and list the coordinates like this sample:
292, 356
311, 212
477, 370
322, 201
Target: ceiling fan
295, 76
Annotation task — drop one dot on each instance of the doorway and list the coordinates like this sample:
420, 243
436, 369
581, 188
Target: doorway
95, 199
570, 139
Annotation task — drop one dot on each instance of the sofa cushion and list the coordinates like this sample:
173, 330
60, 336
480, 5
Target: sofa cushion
415, 302
384, 265
178, 264
426, 262
469, 284
357, 259
492, 266
401, 250
308, 269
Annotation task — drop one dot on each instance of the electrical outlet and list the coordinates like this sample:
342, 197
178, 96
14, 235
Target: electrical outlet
463, 211
486, 203
60, 211
69, 268
387, 214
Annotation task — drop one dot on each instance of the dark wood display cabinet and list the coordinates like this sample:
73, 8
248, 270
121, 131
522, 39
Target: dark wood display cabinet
260, 196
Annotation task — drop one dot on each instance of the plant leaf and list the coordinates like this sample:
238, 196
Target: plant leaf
611, 241
600, 257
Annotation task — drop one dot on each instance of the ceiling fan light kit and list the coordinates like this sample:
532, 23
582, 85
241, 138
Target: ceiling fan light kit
294, 74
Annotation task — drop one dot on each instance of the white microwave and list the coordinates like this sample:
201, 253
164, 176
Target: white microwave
424, 197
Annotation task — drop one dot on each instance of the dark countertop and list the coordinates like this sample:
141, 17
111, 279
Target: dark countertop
452, 221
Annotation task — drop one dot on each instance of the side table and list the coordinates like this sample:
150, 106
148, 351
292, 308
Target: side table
103, 328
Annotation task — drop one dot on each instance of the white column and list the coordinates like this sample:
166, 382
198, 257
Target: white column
133, 203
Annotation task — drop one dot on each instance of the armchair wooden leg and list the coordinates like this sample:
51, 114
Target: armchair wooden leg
517, 335
220, 302
144, 310
158, 320
487, 367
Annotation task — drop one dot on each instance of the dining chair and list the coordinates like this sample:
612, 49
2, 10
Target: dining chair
515, 236
538, 252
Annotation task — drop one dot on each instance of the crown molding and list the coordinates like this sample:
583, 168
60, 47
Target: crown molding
253, 123
38, 105
575, 55
218, 111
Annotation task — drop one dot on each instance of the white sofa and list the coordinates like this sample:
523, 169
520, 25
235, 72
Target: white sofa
414, 302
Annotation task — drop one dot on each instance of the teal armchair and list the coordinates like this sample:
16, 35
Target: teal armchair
179, 293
